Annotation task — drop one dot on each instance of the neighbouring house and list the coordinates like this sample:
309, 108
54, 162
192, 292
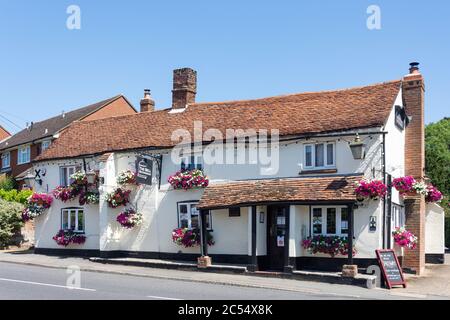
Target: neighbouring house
265, 200
4, 134
19, 150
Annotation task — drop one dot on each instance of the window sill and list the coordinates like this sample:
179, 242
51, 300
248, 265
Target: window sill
318, 171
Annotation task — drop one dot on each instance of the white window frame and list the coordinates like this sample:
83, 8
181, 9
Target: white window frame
68, 211
20, 153
189, 205
45, 145
325, 155
6, 155
397, 216
324, 221
69, 171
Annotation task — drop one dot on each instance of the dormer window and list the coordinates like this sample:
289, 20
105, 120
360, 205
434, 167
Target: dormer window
319, 155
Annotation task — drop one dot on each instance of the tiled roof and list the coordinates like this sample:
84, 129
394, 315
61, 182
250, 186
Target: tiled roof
304, 113
242, 193
51, 126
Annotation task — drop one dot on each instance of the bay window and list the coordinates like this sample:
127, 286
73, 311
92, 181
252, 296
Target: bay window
319, 155
189, 216
329, 220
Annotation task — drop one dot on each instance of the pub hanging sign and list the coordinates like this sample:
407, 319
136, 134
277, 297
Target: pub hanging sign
144, 169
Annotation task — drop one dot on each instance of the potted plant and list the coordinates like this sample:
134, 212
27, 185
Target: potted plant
129, 218
119, 197
188, 179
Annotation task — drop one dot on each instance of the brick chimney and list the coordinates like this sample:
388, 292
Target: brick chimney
147, 103
413, 90
184, 87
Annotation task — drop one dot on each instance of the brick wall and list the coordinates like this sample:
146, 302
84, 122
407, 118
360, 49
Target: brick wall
119, 107
413, 98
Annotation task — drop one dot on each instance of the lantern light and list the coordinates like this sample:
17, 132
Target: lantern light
358, 148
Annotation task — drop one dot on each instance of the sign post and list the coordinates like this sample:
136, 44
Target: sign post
390, 267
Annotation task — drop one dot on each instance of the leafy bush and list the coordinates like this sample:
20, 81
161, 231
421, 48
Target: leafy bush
7, 183
15, 196
10, 221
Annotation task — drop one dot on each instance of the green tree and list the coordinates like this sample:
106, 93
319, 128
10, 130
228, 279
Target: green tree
437, 155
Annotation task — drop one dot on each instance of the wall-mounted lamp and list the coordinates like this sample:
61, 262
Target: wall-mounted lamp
358, 148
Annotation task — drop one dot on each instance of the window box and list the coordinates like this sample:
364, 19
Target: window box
66, 237
331, 245
188, 180
189, 237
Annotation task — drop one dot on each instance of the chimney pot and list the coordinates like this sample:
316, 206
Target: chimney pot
414, 67
147, 103
184, 87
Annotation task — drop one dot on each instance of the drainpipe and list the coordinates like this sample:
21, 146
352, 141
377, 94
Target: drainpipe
383, 165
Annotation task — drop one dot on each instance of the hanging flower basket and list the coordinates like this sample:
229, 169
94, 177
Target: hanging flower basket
36, 204
119, 197
433, 195
404, 185
65, 194
89, 198
129, 218
189, 237
126, 177
331, 245
188, 179
66, 237
404, 238
79, 178
370, 189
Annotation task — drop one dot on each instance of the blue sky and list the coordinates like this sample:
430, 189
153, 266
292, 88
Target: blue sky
241, 50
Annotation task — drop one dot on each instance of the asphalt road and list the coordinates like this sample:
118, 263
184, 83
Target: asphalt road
31, 282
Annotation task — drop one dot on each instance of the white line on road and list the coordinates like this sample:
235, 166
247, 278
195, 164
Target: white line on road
163, 298
46, 284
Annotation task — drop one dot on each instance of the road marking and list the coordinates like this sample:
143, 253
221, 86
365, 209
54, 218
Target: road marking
46, 284
163, 298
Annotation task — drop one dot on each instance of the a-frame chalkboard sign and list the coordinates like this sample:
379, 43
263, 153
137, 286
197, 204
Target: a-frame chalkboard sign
390, 267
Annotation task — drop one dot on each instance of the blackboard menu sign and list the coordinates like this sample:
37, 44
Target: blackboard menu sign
391, 268
144, 168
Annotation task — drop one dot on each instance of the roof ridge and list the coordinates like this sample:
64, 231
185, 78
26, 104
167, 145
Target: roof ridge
299, 93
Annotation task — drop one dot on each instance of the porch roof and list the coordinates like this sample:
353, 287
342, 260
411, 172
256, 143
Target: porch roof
268, 191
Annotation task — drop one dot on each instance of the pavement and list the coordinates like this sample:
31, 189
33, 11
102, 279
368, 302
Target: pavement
24, 275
